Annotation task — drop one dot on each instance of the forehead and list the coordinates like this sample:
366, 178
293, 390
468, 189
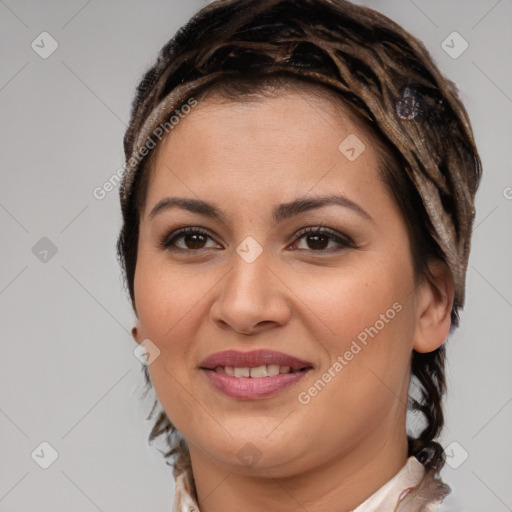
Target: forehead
288, 144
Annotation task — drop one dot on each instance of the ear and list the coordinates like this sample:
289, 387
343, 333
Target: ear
136, 332
435, 304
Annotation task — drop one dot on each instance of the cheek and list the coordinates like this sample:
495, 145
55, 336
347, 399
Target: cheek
368, 316
164, 295
365, 381
162, 304
169, 311
357, 297
170, 304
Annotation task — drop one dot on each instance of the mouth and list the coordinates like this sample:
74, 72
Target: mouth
256, 372
253, 375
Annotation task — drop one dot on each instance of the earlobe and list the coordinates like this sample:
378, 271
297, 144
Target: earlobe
136, 331
434, 308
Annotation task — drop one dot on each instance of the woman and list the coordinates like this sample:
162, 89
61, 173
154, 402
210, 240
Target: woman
297, 211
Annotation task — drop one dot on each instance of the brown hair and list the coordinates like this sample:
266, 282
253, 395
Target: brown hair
387, 79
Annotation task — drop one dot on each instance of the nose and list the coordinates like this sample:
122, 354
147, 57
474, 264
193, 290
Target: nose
251, 298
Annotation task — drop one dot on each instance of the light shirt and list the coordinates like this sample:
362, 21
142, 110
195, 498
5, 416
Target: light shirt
412, 489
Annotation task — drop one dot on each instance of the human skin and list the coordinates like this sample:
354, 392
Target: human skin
246, 158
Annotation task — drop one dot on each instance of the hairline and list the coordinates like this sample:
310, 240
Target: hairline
278, 87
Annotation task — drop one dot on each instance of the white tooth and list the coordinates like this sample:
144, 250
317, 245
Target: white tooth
242, 372
229, 370
284, 369
219, 369
259, 371
272, 370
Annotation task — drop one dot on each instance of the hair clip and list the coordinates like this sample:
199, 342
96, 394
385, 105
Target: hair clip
412, 103
409, 105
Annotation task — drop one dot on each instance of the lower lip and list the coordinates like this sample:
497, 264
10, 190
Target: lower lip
253, 388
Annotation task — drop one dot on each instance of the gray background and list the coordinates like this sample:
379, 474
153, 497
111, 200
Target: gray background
68, 373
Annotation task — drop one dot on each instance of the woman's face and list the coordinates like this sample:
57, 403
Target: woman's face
343, 302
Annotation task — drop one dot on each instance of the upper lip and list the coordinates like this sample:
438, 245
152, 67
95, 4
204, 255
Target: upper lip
253, 358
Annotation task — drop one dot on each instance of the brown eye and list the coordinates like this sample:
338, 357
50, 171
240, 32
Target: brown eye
193, 239
317, 239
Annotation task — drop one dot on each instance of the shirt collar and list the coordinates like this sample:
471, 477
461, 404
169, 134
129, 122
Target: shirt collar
395, 490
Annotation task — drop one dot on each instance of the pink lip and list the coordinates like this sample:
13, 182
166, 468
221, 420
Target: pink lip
253, 358
248, 387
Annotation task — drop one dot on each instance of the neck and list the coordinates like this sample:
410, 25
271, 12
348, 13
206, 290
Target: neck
340, 483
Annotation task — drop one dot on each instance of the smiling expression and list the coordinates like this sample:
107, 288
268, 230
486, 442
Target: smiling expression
289, 246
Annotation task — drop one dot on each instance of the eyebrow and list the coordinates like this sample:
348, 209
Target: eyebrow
279, 213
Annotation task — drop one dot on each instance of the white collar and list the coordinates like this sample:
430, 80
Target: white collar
393, 491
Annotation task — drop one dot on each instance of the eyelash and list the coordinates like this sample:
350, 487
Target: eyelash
168, 240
